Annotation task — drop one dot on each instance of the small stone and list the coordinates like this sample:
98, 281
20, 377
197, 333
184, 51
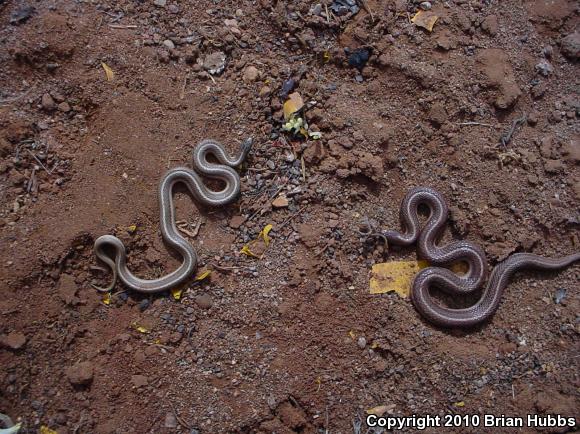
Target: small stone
553, 166
280, 202
168, 43
361, 342
490, 25
571, 46
204, 301
555, 116
64, 107
215, 62
174, 9
160, 3
425, 5
251, 74
21, 14
533, 118
139, 380
316, 9
170, 420
345, 142
48, 103
438, 114
237, 221
545, 68
144, 304
80, 374
13, 341
265, 91
571, 150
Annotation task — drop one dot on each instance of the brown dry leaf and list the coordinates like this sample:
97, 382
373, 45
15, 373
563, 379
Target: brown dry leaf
425, 19
395, 276
379, 410
293, 105
108, 71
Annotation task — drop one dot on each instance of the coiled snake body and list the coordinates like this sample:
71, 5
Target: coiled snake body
169, 232
457, 251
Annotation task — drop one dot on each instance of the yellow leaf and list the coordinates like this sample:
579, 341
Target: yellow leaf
326, 56
176, 293
246, 251
107, 298
425, 20
108, 71
351, 334
46, 430
202, 275
140, 329
374, 345
293, 104
132, 229
395, 276
264, 234
459, 404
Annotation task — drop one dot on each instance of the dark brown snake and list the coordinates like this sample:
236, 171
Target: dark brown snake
457, 251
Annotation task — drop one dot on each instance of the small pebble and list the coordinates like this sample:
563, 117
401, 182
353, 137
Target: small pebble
144, 304
168, 43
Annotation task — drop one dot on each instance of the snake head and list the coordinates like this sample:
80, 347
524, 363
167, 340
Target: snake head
247, 145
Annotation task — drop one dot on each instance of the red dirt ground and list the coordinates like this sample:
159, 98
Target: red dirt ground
293, 342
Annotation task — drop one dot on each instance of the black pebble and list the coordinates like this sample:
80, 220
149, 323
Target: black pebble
144, 304
359, 58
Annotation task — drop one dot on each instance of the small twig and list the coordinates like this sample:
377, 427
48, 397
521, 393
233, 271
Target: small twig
323, 249
182, 91
477, 123
39, 162
285, 222
364, 4
506, 138
222, 268
120, 26
179, 419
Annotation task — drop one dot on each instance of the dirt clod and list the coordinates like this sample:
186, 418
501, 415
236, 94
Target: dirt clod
13, 340
80, 374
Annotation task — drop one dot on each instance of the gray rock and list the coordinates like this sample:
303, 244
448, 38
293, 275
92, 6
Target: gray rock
545, 68
168, 43
214, 63
48, 103
571, 46
21, 14
170, 420
160, 3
